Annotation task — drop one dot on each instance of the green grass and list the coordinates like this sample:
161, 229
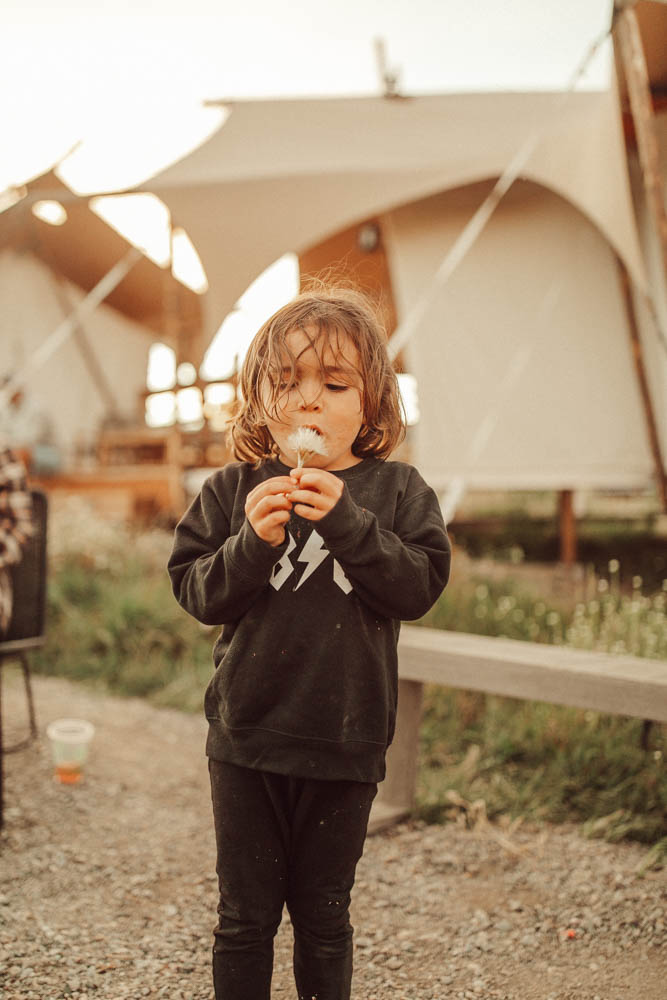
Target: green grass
122, 631
113, 623
541, 761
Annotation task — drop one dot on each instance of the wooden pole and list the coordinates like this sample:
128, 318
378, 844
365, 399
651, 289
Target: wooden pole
631, 58
640, 371
568, 528
632, 61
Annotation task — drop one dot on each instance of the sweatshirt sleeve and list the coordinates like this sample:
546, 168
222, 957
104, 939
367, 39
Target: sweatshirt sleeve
217, 576
398, 573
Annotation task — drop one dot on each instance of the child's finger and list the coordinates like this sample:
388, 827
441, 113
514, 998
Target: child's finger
273, 502
321, 480
271, 488
311, 497
277, 484
308, 513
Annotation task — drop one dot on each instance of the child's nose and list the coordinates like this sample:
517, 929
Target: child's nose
311, 397
314, 403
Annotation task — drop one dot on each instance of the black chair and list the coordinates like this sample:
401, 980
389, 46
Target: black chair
27, 627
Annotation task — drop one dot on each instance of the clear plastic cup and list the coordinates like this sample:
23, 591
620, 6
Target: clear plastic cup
70, 740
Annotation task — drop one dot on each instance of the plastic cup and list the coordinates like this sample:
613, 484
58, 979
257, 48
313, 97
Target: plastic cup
70, 739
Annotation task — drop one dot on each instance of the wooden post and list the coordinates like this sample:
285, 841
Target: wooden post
568, 528
631, 58
396, 795
640, 370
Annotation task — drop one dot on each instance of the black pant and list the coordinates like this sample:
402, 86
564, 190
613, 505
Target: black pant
285, 840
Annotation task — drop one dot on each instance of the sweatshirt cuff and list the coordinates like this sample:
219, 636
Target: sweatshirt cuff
251, 556
344, 523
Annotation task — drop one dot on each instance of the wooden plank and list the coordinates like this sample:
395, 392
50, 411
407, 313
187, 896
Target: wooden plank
622, 685
398, 788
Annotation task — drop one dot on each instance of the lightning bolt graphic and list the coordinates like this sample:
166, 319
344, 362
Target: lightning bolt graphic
312, 553
283, 568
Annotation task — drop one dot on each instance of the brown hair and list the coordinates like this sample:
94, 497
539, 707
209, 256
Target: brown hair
330, 310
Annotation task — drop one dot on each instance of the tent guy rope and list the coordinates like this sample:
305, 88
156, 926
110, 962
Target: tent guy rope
50, 345
474, 227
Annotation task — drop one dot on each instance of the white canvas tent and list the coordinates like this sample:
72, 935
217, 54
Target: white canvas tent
63, 391
81, 364
523, 360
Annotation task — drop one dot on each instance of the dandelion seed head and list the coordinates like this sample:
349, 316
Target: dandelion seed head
306, 442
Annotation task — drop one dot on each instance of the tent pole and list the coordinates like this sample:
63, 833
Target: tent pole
640, 370
630, 52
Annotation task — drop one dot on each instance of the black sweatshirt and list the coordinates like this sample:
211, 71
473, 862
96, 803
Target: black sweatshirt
306, 665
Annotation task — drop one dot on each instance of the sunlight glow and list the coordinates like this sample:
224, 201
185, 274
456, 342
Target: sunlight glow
155, 130
186, 265
186, 373
50, 211
141, 219
276, 286
407, 385
161, 409
161, 372
218, 401
189, 407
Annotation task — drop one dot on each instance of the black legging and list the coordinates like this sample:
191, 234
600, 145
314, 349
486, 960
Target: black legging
285, 840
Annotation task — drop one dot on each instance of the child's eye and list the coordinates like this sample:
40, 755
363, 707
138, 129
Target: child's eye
336, 387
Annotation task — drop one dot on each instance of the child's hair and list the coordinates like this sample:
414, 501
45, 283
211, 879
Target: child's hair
329, 310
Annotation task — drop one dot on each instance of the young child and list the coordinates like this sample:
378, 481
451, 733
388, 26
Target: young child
309, 568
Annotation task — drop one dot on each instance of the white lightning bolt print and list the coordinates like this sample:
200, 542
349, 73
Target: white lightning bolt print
312, 553
340, 579
283, 568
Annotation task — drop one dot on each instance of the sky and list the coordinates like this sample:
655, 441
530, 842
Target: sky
127, 79
124, 83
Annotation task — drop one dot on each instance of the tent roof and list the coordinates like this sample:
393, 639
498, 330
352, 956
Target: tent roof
282, 175
85, 248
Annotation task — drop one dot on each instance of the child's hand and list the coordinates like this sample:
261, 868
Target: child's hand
318, 491
268, 509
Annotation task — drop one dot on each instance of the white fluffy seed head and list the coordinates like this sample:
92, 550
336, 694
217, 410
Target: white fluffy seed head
306, 442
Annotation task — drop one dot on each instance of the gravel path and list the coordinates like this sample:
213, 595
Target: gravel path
107, 890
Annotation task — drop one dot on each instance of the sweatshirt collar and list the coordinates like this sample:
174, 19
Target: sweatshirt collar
345, 474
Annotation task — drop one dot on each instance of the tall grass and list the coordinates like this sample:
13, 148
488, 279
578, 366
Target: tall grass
113, 623
112, 618
541, 761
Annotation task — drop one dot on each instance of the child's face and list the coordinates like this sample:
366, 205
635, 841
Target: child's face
325, 394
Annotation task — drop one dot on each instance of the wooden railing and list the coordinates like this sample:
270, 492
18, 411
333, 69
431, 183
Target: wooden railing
604, 682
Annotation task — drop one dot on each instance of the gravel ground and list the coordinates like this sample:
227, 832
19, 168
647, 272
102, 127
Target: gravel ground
107, 889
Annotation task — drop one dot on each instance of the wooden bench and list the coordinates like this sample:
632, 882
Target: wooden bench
604, 682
